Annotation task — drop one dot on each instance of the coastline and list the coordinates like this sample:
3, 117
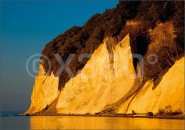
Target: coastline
179, 117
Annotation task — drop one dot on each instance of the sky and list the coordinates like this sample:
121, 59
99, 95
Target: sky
26, 26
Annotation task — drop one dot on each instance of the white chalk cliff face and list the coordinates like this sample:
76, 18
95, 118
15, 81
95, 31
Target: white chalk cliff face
169, 92
107, 81
103, 80
45, 91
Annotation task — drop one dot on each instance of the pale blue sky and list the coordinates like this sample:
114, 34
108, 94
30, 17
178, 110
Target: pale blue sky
26, 26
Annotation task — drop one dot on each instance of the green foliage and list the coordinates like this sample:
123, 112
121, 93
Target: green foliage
178, 21
152, 11
79, 40
168, 51
84, 40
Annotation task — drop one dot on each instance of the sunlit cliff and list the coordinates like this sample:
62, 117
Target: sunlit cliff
136, 65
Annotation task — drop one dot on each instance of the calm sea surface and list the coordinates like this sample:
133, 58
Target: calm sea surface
80, 122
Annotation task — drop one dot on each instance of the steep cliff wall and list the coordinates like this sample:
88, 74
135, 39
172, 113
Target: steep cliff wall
45, 92
169, 92
137, 63
103, 82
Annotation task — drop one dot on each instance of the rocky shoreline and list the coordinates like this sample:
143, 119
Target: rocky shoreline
141, 115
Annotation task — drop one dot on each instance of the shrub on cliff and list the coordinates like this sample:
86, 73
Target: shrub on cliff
167, 111
164, 47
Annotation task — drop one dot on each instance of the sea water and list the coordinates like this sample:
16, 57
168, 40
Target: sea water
85, 122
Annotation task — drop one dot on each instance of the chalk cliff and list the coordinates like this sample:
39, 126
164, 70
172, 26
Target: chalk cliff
101, 83
135, 65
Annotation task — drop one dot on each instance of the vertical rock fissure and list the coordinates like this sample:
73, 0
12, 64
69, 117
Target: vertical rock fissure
110, 47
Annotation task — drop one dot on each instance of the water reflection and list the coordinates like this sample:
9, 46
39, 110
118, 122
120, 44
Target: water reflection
80, 122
